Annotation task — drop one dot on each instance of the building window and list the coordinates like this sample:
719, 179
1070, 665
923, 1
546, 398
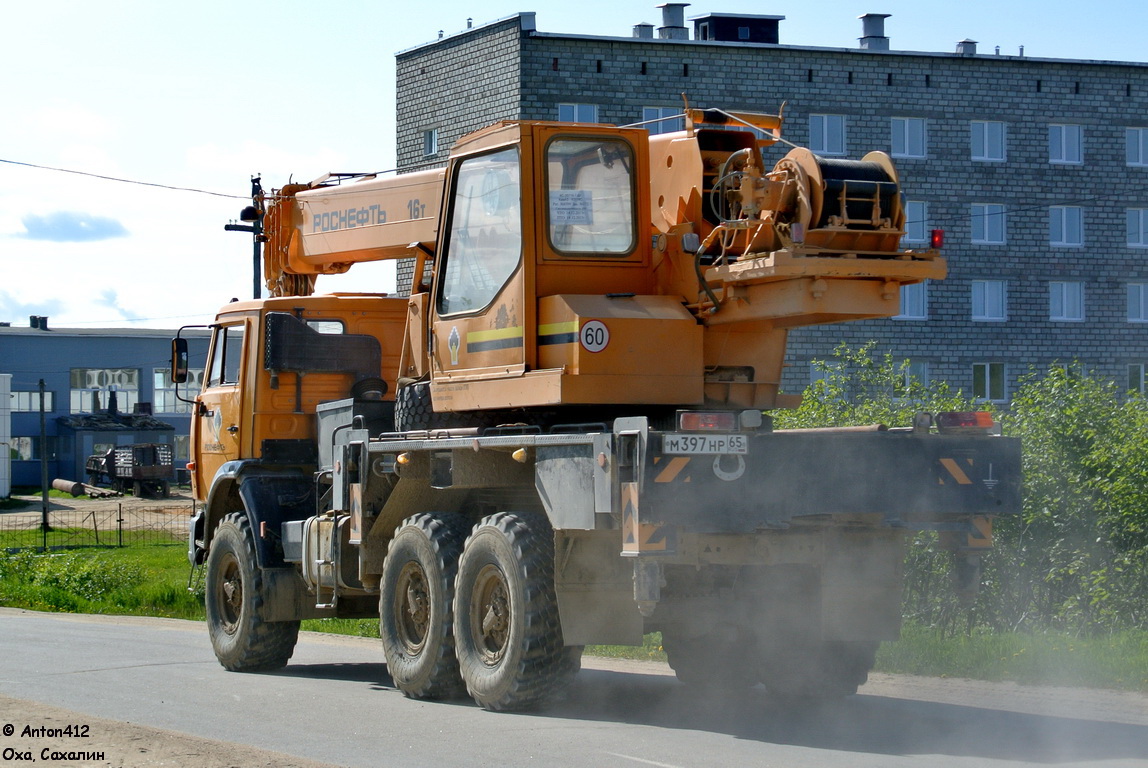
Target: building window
827, 134
989, 382
1066, 225
1138, 302
1137, 227
29, 402
92, 389
28, 448
988, 140
181, 450
1065, 301
577, 113
743, 33
914, 302
430, 142
988, 223
989, 300
669, 119
1065, 144
908, 137
916, 371
1136, 144
164, 391
916, 222
1136, 374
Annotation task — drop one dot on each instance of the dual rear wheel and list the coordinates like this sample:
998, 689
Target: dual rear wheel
479, 615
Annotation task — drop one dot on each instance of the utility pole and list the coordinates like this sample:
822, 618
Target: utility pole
43, 468
253, 214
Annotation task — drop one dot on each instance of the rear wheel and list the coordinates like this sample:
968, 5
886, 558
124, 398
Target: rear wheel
416, 605
714, 660
817, 670
242, 640
508, 633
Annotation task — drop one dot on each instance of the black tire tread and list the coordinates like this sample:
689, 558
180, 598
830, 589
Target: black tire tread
546, 667
446, 533
269, 644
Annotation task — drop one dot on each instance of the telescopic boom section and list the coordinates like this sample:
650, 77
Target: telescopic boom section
324, 227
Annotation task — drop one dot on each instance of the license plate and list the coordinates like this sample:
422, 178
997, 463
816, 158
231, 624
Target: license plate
694, 444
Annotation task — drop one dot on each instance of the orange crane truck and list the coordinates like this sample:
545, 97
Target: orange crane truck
561, 436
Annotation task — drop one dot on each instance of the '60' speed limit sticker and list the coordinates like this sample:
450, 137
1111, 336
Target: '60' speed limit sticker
594, 336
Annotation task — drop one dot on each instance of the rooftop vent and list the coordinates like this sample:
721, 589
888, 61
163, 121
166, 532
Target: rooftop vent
873, 32
673, 22
644, 31
967, 47
38, 322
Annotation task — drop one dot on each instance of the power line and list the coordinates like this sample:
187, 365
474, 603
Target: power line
123, 181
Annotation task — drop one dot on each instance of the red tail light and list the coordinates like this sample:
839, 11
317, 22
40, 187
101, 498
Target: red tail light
702, 421
965, 421
937, 239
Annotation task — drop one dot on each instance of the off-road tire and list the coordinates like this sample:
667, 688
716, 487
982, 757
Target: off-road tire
416, 605
242, 640
711, 661
414, 410
817, 671
508, 635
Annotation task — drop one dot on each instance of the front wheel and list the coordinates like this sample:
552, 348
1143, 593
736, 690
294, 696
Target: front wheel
508, 633
242, 640
416, 604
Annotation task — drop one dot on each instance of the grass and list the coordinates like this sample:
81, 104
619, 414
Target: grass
1118, 661
152, 581
137, 581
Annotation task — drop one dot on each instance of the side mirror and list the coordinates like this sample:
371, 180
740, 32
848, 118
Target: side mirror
179, 360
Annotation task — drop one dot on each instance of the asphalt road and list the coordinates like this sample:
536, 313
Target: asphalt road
335, 703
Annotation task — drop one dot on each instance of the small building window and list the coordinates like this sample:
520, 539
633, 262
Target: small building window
577, 113
988, 298
669, 119
916, 222
430, 142
164, 390
827, 134
1137, 219
1138, 302
914, 302
1136, 375
92, 389
1065, 301
988, 223
1136, 145
1065, 144
1066, 225
989, 382
29, 402
908, 138
988, 140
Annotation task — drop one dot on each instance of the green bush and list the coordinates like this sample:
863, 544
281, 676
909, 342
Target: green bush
1076, 559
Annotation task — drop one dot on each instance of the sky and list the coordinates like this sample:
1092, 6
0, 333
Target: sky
193, 99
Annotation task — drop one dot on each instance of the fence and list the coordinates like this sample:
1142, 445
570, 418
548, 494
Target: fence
106, 527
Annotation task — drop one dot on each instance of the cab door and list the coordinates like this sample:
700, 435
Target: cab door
480, 310
218, 424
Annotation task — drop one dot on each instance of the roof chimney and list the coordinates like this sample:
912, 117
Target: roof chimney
644, 31
873, 31
673, 22
39, 322
967, 47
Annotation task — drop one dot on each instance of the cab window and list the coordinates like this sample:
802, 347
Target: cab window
226, 355
484, 245
591, 196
